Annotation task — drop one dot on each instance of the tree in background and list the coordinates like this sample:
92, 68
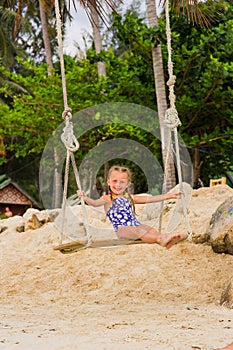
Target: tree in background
31, 27
29, 118
45, 32
98, 10
204, 71
161, 98
9, 46
97, 36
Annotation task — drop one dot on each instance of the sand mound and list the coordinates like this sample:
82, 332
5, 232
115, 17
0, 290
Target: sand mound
130, 297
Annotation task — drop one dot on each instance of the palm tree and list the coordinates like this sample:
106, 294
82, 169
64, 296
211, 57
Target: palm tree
42, 12
46, 10
45, 32
9, 48
97, 35
198, 12
95, 10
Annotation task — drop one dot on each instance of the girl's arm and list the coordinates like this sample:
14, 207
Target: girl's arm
153, 199
93, 202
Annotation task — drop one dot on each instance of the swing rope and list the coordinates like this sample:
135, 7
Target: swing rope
172, 120
68, 138
164, 189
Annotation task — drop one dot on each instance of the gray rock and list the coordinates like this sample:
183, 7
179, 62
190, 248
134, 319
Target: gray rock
221, 228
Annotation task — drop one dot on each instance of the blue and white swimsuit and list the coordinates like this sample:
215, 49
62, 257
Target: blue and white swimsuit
121, 214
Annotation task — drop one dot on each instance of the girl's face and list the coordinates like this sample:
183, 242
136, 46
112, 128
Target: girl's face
118, 182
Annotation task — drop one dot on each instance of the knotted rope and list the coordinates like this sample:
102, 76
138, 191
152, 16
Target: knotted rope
68, 138
172, 120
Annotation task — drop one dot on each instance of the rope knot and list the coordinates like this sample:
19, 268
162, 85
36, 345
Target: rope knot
171, 118
171, 81
68, 138
67, 113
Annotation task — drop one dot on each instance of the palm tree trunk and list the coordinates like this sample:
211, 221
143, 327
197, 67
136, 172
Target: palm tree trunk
197, 163
17, 20
97, 36
169, 169
48, 52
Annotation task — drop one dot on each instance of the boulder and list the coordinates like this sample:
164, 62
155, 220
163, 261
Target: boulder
43, 216
32, 223
221, 228
34, 219
31, 220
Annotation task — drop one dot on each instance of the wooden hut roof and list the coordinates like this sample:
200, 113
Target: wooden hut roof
11, 193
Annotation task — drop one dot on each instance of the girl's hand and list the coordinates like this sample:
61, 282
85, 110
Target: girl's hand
80, 193
173, 195
93, 202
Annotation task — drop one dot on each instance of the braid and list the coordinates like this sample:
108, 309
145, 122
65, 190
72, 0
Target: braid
131, 200
110, 193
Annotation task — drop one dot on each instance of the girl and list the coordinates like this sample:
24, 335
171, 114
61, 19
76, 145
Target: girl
119, 208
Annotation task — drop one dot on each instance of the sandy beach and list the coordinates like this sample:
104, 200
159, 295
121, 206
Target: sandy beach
130, 297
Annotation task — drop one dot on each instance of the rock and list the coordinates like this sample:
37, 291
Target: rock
227, 295
20, 228
10, 224
35, 218
31, 220
45, 216
209, 199
221, 228
28, 214
3, 228
33, 223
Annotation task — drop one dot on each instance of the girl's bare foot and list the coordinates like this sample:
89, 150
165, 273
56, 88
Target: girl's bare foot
169, 241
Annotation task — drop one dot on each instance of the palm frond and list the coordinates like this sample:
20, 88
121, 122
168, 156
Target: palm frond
101, 8
203, 13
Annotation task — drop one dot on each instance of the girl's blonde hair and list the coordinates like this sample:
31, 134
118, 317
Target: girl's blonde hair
121, 169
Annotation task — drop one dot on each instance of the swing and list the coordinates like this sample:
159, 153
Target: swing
172, 122
72, 145
75, 246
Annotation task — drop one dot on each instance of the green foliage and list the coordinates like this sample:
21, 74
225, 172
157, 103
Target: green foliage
34, 112
21, 30
203, 66
37, 113
8, 47
204, 69
31, 103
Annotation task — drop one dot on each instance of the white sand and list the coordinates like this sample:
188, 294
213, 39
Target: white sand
130, 297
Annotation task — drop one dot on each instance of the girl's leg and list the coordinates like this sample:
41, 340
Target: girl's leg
153, 236
228, 347
148, 235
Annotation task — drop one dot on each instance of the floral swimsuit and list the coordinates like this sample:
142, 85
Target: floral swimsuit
121, 214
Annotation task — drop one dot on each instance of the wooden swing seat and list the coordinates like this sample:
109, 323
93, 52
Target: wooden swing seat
75, 246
